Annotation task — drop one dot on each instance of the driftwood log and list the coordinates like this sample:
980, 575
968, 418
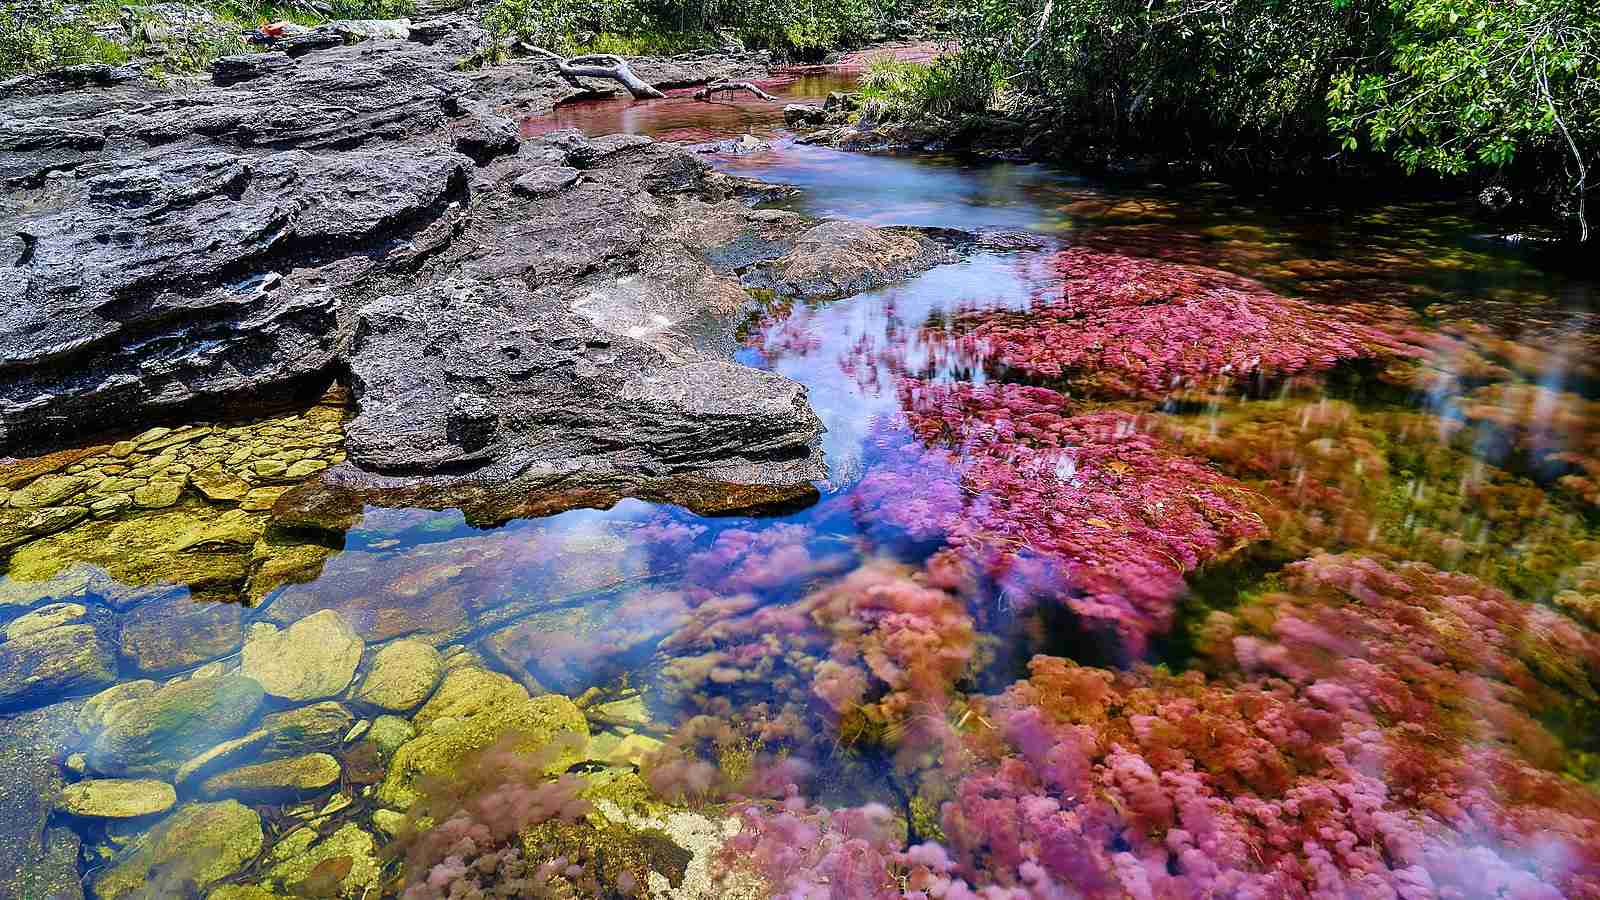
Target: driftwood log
706, 92
599, 65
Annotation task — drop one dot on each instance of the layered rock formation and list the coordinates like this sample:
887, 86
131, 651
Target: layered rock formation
551, 314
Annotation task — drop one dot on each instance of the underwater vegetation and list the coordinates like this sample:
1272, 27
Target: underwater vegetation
1365, 733
1122, 326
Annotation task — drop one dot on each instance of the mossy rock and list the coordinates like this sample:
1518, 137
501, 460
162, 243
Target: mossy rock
401, 675
201, 843
275, 779
313, 658
192, 544
157, 734
315, 871
537, 722
117, 798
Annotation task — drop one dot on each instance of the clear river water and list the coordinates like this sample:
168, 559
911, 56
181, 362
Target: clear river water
1181, 541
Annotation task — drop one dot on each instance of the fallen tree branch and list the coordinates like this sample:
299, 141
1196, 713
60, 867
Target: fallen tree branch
730, 87
599, 65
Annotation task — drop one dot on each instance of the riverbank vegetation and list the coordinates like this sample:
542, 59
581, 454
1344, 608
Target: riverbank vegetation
1505, 95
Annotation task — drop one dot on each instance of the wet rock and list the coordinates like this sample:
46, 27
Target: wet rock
219, 485
66, 659
313, 658
103, 707
388, 822
278, 565
803, 114
221, 756
350, 842
185, 545
468, 692
157, 494
483, 710
39, 859
541, 180
50, 490
17, 472
117, 798
157, 734
199, 842
388, 733
76, 583
275, 780
401, 675
320, 726
836, 259
180, 632
363, 588
18, 526
44, 618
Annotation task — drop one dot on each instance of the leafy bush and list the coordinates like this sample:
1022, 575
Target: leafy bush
1480, 86
37, 35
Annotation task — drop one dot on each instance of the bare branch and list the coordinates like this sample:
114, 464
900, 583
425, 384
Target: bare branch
730, 87
599, 65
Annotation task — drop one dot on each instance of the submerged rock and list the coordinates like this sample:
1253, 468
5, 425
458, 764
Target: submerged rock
401, 675
45, 617
154, 735
275, 780
299, 870
479, 711
117, 798
200, 842
180, 632
65, 659
315, 657
320, 726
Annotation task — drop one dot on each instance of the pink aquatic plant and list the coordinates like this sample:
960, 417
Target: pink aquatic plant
1089, 510
1366, 733
863, 654
465, 840
1135, 327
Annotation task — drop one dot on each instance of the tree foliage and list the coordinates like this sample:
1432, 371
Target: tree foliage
1481, 85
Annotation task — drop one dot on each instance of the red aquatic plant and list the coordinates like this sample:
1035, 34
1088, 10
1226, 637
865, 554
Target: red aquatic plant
1137, 327
1089, 510
867, 652
1366, 734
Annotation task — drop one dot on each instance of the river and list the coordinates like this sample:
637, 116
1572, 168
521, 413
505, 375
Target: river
1325, 470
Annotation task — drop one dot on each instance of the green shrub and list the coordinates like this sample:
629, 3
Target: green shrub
37, 35
1483, 86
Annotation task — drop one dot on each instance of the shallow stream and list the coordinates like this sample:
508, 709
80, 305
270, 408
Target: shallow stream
1115, 436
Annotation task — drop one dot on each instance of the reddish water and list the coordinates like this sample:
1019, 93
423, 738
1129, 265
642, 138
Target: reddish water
680, 117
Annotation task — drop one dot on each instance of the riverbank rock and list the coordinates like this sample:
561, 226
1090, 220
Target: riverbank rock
117, 798
200, 842
480, 711
275, 780
156, 734
401, 676
391, 187
313, 658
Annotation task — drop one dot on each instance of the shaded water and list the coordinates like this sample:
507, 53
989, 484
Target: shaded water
1151, 495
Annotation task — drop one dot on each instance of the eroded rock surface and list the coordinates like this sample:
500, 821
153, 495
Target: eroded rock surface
556, 313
